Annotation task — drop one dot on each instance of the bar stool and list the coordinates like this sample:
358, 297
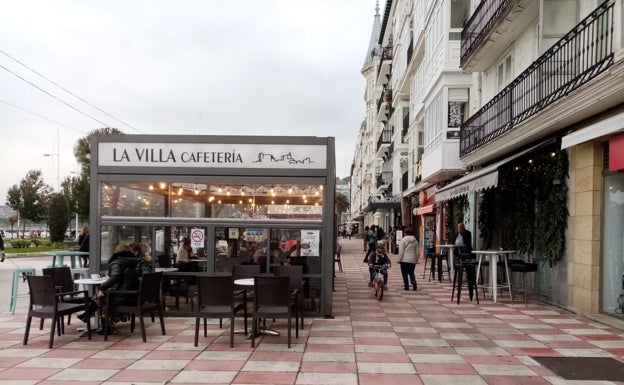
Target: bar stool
18, 273
469, 267
436, 266
519, 266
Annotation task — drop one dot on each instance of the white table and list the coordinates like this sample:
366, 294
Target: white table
451, 256
249, 282
493, 279
165, 269
93, 284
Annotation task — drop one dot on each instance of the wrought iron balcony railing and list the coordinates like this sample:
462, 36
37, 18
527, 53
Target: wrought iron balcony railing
480, 24
581, 55
386, 59
384, 138
384, 179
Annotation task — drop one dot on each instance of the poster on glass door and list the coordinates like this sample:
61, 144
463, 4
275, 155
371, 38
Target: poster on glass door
310, 242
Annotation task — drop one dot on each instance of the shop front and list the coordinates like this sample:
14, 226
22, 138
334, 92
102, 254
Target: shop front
238, 199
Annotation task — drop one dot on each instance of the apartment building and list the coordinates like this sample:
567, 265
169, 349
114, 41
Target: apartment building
523, 139
417, 98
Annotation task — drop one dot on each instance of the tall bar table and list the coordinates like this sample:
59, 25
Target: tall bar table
493, 279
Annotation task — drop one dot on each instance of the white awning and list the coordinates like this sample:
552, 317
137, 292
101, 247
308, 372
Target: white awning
602, 128
478, 180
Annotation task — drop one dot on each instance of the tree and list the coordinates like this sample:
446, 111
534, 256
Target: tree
81, 185
58, 216
12, 221
342, 203
30, 197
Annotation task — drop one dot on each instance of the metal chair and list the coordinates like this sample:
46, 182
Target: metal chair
45, 303
216, 299
523, 267
469, 267
272, 301
147, 302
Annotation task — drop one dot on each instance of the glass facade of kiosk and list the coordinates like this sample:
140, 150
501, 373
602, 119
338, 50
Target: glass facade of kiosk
228, 223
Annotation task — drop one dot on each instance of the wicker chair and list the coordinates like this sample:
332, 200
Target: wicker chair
147, 302
296, 290
64, 282
45, 303
217, 299
272, 301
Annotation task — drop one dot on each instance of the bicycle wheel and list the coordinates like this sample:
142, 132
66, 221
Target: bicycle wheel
381, 290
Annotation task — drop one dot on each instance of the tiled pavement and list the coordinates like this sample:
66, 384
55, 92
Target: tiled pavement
411, 337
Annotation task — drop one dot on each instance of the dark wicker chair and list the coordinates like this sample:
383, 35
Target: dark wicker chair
45, 303
64, 282
296, 290
147, 302
216, 299
272, 301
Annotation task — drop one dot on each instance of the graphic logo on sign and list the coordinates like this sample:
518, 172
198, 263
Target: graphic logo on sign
197, 238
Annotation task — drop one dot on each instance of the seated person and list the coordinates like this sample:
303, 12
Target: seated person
122, 275
185, 252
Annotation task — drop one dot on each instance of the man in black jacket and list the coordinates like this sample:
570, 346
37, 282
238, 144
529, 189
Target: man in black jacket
464, 239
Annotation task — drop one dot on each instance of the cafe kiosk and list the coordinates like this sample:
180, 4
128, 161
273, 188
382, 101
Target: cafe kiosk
240, 200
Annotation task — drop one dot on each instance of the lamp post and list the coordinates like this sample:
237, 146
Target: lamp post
58, 169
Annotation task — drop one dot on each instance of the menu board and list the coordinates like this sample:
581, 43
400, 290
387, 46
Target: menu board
310, 242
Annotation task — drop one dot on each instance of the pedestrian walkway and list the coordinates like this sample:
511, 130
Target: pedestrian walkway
411, 337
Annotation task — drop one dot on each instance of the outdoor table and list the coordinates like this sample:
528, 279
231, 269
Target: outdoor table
493, 279
451, 256
61, 254
249, 282
165, 269
93, 285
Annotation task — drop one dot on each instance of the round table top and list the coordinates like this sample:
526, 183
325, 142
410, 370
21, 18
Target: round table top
165, 269
244, 282
66, 253
90, 281
493, 251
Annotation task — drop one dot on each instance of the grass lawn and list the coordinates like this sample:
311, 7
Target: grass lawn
22, 250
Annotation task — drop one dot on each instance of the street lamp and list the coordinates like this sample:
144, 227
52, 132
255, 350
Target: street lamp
58, 169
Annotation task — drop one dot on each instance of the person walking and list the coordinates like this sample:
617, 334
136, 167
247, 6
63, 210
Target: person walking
372, 242
83, 241
408, 257
2, 253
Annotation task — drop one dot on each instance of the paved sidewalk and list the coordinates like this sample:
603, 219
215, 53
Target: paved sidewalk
411, 337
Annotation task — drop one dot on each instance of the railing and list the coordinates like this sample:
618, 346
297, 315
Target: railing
384, 138
480, 24
386, 54
384, 179
581, 55
405, 125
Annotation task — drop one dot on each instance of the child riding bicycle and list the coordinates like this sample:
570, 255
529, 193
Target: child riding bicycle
379, 258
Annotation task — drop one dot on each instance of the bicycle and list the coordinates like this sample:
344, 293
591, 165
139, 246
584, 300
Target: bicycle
378, 282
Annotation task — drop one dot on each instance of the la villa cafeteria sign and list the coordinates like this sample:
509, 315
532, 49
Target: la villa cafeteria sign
203, 155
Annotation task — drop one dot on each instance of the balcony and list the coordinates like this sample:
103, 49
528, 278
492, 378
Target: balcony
580, 56
405, 126
384, 180
383, 142
385, 66
384, 106
491, 30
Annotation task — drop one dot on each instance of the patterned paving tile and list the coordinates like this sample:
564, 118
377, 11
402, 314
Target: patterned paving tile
408, 338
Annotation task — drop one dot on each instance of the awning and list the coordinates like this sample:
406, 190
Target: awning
481, 179
425, 209
602, 128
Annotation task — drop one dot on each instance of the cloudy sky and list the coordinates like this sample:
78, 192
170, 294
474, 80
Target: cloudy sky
246, 67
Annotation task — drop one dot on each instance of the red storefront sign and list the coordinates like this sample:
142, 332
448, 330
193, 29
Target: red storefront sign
616, 152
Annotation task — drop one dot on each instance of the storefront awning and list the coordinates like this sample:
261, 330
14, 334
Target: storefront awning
425, 209
478, 180
604, 127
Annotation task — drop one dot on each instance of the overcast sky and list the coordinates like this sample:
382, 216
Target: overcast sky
246, 67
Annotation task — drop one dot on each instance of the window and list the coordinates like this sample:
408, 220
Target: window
459, 13
457, 106
504, 72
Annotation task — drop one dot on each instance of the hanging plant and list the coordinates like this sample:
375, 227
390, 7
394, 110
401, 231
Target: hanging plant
485, 213
553, 219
